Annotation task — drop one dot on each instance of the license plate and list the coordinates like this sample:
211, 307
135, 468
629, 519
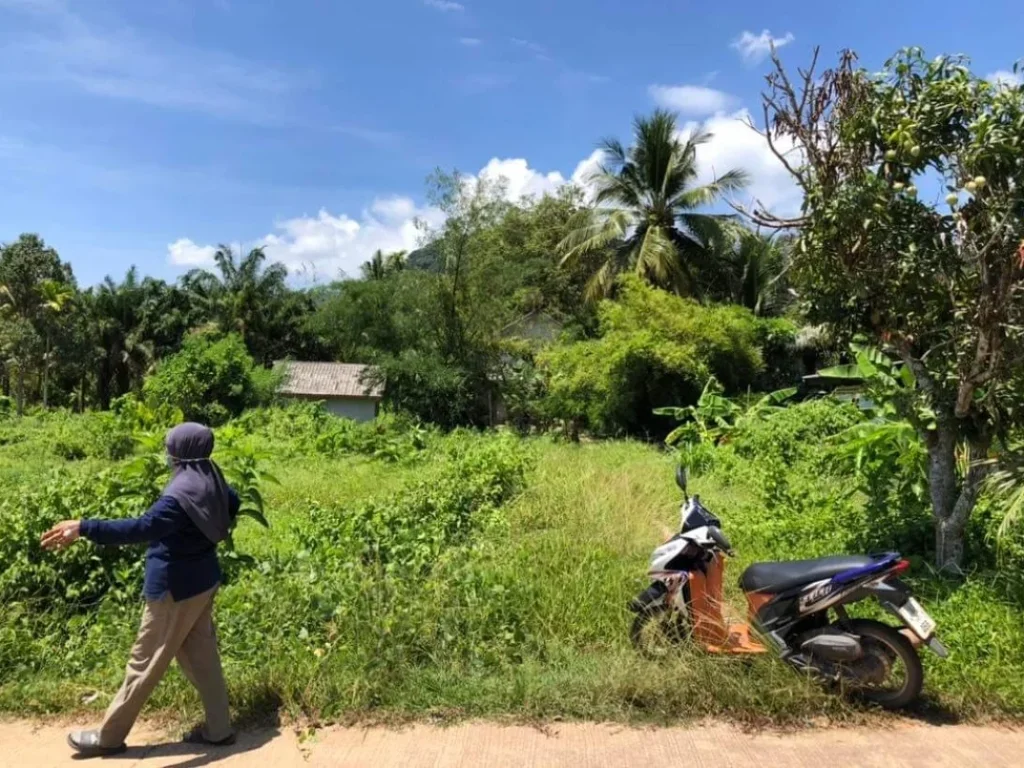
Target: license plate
917, 619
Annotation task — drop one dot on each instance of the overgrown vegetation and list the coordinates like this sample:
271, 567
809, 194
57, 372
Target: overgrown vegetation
479, 575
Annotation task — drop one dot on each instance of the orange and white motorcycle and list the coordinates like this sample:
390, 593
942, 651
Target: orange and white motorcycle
795, 608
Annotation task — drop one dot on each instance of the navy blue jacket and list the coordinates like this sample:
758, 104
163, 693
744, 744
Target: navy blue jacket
180, 559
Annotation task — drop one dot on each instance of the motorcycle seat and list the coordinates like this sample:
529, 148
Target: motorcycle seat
779, 577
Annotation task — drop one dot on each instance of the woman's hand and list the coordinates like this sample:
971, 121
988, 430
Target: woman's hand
62, 535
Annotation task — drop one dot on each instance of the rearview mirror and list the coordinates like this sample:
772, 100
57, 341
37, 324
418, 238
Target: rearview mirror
681, 477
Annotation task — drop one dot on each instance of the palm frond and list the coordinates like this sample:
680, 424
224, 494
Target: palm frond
657, 258
594, 232
696, 197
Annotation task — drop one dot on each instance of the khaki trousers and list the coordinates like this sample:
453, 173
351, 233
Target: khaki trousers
172, 630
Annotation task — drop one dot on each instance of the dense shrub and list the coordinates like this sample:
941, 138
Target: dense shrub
82, 574
784, 364
306, 428
211, 379
655, 349
794, 433
94, 435
408, 532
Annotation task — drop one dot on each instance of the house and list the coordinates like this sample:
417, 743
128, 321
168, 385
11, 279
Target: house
346, 390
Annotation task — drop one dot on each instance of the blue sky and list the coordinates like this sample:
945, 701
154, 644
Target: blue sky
145, 132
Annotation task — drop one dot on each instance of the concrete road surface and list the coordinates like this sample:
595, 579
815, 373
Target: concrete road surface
28, 745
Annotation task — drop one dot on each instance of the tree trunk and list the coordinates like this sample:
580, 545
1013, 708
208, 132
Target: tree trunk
46, 373
21, 389
103, 384
953, 500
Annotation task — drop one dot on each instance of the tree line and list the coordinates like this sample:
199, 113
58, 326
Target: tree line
440, 322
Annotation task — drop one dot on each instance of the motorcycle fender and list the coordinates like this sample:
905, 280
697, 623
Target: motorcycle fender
890, 594
652, 597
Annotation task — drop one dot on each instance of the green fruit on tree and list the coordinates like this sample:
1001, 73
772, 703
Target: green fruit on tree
898, 185
971, 186
915, 151
891, 155
912, 190
952, 198
980, 182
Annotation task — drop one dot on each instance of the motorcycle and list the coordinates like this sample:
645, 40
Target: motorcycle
797, 607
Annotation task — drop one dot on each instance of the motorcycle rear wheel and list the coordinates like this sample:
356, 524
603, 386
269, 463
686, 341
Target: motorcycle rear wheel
885, 649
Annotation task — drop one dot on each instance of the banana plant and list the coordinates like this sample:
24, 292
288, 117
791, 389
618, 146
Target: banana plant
1005, 484
715, 416
889, 385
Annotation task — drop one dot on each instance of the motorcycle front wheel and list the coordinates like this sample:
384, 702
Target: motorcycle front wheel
658, 629
889, 673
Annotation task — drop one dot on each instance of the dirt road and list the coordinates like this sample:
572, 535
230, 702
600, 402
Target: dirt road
24, 745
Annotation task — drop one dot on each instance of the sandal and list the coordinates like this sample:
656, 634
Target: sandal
196, 736
87, 744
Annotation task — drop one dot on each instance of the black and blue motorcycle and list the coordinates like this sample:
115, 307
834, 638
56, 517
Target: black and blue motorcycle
796, 608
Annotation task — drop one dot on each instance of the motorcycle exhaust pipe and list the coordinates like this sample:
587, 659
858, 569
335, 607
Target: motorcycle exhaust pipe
833, 646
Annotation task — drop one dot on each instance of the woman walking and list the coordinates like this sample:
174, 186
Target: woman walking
193, 514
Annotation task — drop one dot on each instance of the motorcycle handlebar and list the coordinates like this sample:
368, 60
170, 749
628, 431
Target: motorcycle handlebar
720, 539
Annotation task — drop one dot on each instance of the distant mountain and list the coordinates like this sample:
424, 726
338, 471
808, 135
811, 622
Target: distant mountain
427, 258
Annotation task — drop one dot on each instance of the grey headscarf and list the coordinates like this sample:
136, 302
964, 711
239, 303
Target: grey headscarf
196, 481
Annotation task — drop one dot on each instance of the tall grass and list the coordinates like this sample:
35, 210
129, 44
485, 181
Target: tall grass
490, 578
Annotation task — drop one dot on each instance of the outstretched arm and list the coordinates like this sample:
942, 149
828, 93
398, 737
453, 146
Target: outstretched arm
163, 518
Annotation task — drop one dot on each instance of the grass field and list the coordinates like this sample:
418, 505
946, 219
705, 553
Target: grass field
370, 599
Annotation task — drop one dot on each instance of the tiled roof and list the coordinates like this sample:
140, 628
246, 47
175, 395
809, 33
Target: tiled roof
330, 380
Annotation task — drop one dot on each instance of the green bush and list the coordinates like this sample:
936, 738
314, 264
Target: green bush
796, 433
83, 574
408, 532
211, 379
308, 429
92, 435
655, 349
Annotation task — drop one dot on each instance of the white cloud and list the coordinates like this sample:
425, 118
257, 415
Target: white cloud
471, 42
734, 144
755, 48
585, 169
691, 99
445, 6
185, 253
1006, 78
539, 51
117, 63
329, 244
520, 179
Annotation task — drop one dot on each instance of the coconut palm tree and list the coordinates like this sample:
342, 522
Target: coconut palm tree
243, 296
124, 352
645, 218
750, 269
381, 265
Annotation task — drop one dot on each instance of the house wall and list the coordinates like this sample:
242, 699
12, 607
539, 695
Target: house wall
357, 409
